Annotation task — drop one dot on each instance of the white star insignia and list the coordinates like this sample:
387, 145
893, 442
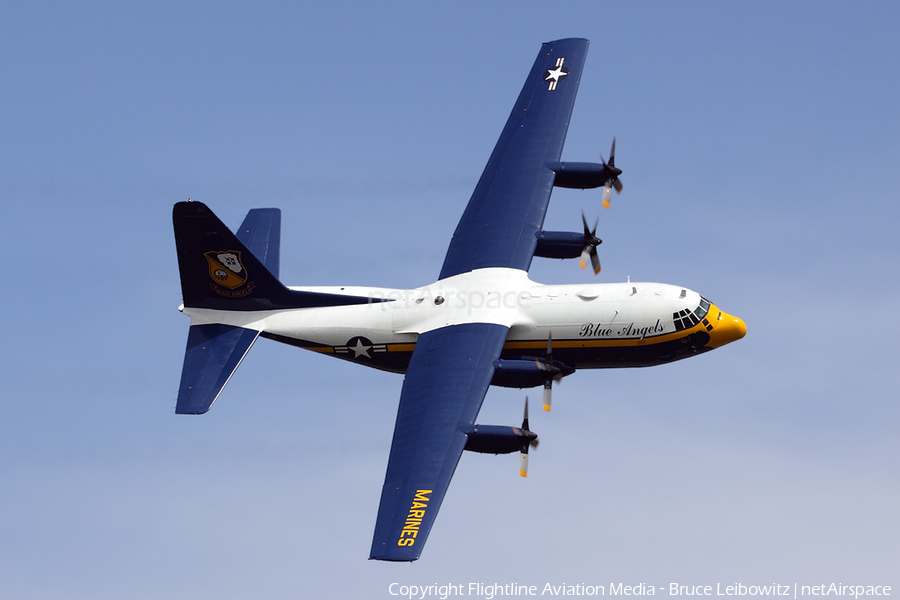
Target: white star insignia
556, 75
360, 350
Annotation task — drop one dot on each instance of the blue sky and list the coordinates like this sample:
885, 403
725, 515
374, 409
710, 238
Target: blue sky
758, 143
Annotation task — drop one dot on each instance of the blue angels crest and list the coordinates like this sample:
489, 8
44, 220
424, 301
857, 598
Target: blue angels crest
226, 268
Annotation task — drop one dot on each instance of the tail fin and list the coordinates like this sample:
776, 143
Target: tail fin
235, 273
219, 270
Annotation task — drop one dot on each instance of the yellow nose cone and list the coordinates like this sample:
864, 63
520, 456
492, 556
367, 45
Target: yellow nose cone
725, 328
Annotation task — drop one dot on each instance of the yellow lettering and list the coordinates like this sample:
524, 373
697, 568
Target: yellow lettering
410, 531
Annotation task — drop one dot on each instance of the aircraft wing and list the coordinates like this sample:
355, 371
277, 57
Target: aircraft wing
507, 208
448, 376
452, 367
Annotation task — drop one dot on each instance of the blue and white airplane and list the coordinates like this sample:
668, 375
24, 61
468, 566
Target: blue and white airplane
482, 323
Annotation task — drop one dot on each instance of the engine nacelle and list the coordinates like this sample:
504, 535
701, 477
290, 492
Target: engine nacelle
524, 373
581, 176
497, 439
559, 244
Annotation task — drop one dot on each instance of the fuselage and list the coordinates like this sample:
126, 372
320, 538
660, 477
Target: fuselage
592, 326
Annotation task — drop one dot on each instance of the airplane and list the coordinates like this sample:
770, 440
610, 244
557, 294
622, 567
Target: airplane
483, 322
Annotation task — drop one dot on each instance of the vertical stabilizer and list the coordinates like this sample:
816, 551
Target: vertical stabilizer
223, 271
218, 270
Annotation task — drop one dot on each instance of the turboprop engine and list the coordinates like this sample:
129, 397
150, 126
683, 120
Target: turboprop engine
500, 439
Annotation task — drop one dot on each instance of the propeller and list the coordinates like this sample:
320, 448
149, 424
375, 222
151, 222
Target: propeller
551, 372
612, 182
531, 442
591, 241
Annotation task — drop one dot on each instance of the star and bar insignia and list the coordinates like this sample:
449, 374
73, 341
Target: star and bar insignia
556, 75
360, 347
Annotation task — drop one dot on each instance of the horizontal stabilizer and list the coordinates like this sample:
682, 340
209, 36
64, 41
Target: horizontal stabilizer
213, 353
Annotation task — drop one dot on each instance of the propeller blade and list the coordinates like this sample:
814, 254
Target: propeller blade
525, 420
595, 261
549, 368
533, 443
613, 182
585, 255
591, 241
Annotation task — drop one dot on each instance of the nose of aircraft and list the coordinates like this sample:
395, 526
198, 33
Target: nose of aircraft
725, 328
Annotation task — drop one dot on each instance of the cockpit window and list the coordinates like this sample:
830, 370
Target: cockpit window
685, 319
703, 308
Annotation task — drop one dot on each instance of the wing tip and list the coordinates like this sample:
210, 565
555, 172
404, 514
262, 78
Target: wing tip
386, 558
